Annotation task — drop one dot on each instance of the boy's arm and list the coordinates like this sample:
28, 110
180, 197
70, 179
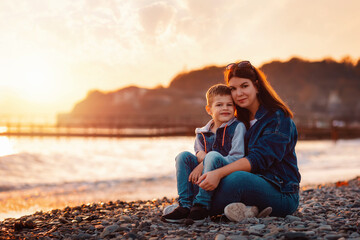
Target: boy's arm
237, 145
199, 149
198, 146
196, 173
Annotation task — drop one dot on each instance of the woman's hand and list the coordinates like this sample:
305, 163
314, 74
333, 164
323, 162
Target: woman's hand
210, 180
196, 173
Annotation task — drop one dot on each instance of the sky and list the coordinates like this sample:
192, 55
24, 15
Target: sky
54, 52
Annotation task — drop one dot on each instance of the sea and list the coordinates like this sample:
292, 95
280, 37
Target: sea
44, 173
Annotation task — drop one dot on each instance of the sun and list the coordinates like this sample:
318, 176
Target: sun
35, 79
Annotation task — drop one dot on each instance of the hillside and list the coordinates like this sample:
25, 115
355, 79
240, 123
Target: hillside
314, 90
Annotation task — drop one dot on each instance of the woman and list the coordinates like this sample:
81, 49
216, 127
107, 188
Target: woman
268, 177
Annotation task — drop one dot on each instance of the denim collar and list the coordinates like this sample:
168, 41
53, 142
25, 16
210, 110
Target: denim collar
260, 112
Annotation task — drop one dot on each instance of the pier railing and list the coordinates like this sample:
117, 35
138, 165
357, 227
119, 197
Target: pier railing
90, 126
141, 126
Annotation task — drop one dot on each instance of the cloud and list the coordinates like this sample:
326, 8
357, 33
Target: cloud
156, 18
147, 42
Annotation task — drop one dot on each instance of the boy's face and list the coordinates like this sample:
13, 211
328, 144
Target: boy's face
222, 109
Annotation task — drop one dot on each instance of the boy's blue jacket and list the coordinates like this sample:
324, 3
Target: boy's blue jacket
270, 149
228, 140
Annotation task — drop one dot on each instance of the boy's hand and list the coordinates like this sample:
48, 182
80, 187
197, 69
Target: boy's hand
196, 173
200, 156
209, 181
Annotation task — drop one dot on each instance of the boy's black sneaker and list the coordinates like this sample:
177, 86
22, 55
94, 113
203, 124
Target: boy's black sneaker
177, 216
198, 214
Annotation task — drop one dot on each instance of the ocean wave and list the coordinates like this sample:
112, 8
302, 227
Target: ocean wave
85, 185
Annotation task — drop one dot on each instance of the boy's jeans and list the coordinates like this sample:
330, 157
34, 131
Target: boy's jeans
190, 193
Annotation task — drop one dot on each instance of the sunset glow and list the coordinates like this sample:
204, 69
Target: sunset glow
34, 79
57, 51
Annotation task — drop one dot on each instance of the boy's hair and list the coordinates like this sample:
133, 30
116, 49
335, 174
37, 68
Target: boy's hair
216, 90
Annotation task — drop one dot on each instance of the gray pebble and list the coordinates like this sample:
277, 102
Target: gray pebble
63, 220
332, 236
325, 228
295, 235
309, 233
82, 236
257, 227
132, 236
354, 235
220, 237
109, 230
237, 237
125, 218
291, 218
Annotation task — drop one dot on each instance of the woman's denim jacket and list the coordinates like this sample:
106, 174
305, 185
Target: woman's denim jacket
270, 149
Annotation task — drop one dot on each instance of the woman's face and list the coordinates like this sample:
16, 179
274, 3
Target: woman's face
243, 92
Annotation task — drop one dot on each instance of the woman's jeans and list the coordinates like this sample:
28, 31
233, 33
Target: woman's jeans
239, 186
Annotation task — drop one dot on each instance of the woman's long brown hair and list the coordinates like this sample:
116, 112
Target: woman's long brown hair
266, 94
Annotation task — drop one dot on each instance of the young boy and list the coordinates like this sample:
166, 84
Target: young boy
218, 143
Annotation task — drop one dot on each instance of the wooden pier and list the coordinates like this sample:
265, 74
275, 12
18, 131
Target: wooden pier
46, 130
57, 131
152, 126
129, 126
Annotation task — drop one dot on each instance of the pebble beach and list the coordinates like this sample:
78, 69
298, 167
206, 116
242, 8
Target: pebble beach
329, 211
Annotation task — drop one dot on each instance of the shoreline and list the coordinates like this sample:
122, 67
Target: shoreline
16, 203
328, 211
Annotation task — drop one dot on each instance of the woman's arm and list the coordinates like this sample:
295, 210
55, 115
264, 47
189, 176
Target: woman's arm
210, 180
278, 137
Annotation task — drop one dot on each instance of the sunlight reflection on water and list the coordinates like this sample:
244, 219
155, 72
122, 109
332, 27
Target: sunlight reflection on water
6, 148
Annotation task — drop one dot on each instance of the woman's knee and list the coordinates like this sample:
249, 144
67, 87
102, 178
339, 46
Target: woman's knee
239, 183
229, 190
253, 190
